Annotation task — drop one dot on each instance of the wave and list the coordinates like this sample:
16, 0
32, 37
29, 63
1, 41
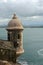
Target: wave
22, 62
40, 52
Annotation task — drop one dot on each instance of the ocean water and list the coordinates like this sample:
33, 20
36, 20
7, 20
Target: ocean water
33, 46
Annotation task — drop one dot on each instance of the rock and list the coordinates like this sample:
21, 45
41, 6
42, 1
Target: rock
4, 63
8, 63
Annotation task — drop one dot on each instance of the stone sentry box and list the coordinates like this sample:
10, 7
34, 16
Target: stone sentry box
13, 47
15, 34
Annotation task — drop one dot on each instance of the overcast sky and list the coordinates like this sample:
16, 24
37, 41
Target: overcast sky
30, 11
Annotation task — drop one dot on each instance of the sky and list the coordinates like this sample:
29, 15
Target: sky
29, 11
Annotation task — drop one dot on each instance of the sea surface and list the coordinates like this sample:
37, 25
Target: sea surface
33, 45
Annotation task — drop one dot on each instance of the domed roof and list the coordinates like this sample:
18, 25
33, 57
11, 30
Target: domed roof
14, 23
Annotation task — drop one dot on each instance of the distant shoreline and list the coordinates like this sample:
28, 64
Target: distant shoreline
3, 26
33, 26
25, 26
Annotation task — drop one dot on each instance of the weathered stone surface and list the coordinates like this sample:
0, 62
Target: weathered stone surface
4, 63
8, 63
7, 51
15, 24
6, 44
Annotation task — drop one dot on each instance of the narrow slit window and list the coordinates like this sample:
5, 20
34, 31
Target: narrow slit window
18, 36
8, 37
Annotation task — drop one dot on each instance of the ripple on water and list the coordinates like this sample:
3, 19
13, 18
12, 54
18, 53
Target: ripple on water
23, 62
40, 52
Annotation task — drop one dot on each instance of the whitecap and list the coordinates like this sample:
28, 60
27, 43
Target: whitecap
23, 62
39, 52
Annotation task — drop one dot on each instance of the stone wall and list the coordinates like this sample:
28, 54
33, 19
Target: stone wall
7, 54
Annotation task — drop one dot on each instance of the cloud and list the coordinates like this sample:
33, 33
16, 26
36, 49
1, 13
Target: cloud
29, 10
22, 7
5, 1
1, 1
